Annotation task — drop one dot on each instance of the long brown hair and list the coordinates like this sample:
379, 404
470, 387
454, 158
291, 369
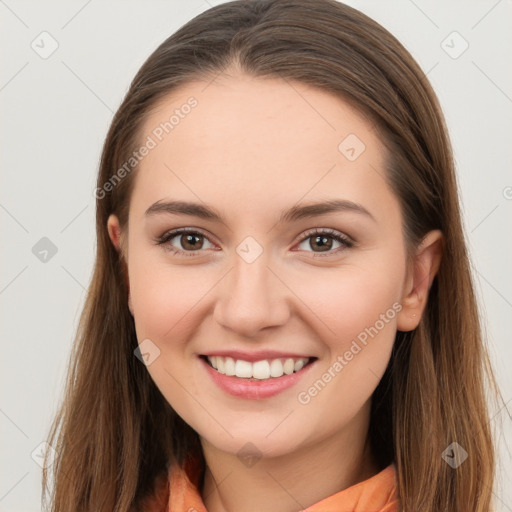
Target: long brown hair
115, 434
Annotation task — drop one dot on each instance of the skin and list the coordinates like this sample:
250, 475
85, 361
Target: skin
251, 148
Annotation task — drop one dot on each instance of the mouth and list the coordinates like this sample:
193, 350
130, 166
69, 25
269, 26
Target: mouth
262, 370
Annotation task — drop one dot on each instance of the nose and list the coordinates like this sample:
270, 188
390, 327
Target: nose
252, 297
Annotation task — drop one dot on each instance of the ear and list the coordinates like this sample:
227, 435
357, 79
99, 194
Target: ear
422, 271
114, 232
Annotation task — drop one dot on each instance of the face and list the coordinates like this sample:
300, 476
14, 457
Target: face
253, 275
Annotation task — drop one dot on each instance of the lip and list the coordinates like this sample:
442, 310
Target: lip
254, 389
252, 357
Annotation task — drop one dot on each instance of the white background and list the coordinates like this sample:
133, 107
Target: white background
55, 113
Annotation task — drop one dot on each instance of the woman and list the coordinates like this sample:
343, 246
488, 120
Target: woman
229, 356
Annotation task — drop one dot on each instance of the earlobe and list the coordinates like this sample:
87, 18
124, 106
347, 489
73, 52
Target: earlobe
419, 281
114, 231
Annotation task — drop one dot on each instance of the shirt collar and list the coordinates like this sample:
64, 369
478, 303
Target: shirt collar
376, 494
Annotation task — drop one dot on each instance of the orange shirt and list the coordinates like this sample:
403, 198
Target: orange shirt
376, 494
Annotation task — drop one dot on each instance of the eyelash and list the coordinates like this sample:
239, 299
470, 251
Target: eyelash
331, 233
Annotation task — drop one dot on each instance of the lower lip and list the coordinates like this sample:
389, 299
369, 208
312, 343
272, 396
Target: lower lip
254, 389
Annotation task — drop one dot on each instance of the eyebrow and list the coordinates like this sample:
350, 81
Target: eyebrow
293, 214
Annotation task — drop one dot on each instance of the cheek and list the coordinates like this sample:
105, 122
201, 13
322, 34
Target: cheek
167, 303
352, 299
359, 306
361, 315
164, 298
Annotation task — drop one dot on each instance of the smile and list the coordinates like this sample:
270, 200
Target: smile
257, 379
258, 370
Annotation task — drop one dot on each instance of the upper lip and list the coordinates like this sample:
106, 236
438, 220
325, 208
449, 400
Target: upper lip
256, 356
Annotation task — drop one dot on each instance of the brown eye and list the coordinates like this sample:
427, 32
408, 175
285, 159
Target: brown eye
183, 242
322, 241
191, 241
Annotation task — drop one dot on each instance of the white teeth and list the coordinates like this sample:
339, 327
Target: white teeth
261, 370
288, 366
242, 368
298, 365
276, 368
264, 369
229, 366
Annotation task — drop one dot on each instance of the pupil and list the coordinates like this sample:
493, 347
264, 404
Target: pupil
321, 240
190, 240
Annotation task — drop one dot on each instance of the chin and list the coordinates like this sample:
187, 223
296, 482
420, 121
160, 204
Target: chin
247, 442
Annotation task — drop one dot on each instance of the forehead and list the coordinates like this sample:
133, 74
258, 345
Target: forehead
245, 140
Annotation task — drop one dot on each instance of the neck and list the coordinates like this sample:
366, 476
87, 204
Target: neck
293, 481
